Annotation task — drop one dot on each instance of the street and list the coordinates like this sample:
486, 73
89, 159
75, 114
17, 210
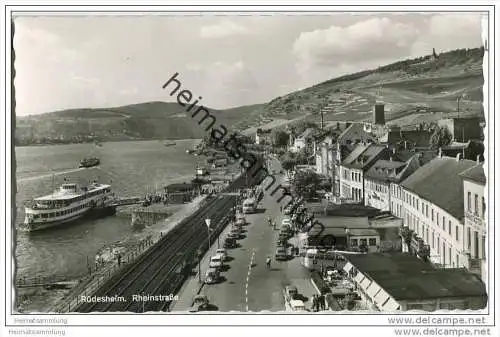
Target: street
247, 284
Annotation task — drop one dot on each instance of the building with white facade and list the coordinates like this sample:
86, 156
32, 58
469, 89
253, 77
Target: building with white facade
475, 228
302, 141
325, 157
379, 177
354, 167
429, 202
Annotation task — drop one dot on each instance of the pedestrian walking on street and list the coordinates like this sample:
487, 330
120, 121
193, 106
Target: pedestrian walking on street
314, 303
322, 302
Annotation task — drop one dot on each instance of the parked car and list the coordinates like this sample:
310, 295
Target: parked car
215, 261
283, 236
297, 305
229, 243
200, 303
235, 231
291, 293
222, 252
234, 236
280, 254
212, 276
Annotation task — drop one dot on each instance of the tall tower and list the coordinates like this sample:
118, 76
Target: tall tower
379, 110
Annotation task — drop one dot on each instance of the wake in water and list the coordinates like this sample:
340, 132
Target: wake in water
47, 175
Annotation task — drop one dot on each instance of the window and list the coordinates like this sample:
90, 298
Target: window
449, 227
352, 175
432, 214
437, 218
457, 260
476, 204
438, 246
432, 242
484, 247
457, 235
372, 242
476, 244
484, 208
469, 201
449, 255
417, 204
468, 238
427, 211
362, 242
444, 253
444, 225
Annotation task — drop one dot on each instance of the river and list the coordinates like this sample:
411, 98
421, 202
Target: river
133, 168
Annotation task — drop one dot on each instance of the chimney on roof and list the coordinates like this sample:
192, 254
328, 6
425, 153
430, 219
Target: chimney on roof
440, 153
379, 113
458, 156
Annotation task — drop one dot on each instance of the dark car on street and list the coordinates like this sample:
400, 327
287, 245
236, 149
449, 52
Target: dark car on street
230, 243
281, 254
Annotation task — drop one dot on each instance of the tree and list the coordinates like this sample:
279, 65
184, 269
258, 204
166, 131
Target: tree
306, 183
304, 156
289, 164
280, 138
440, 137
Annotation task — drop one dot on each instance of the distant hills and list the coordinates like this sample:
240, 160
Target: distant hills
424, 88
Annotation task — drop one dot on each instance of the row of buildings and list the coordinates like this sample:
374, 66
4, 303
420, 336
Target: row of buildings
438, 194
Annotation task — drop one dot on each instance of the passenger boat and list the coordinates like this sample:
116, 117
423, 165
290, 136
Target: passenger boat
70, 202
89, 162
167, 143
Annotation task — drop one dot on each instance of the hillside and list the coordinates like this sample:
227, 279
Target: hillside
413, 91
152, 120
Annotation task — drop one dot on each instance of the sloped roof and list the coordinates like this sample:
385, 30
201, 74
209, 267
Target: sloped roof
365, 158
355, 153
355, 132
475, 173
306, 133
406, 277
439, 182
385, 170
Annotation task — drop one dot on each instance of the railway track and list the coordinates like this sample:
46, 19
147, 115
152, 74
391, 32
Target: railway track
160, 271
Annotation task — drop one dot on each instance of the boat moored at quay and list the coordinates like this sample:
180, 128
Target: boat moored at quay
70, 202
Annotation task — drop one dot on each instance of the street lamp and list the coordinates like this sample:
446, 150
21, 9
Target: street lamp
199, 254
207, 222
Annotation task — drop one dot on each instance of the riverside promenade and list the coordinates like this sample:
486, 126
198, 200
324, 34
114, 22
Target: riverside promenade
92, 282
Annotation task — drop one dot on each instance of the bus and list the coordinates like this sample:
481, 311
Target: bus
316, 259
249, 206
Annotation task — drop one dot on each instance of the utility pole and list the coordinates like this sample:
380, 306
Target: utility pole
458, 107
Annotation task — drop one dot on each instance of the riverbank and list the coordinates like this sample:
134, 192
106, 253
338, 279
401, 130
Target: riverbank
102, 142
39, 299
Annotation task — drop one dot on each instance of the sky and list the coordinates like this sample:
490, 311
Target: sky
65, 62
